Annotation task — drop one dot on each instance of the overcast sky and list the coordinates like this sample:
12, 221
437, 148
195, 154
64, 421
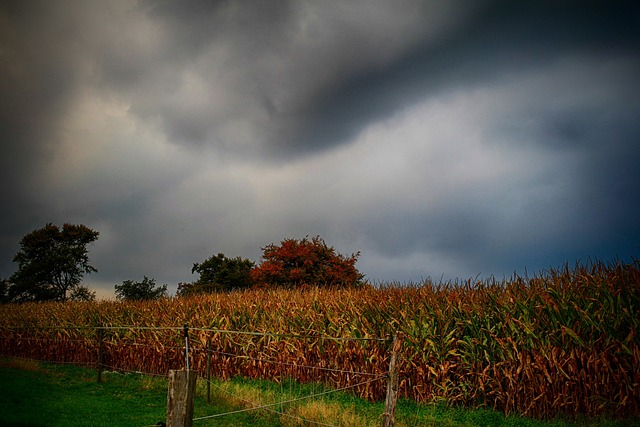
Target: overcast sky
438, 138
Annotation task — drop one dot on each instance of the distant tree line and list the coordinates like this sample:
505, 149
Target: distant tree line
52, 262
294, 263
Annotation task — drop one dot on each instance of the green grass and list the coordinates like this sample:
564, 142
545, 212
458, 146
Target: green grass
41, 394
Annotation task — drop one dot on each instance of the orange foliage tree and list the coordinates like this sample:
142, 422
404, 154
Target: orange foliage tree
309, 262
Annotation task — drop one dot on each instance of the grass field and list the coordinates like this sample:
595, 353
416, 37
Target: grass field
39, 394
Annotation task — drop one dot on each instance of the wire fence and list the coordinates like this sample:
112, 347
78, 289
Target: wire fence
253, 406
223, 354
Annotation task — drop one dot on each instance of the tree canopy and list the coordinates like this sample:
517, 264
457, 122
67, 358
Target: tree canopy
4, 291
82, 293
219, 274
51, 262
310, 262
140, 291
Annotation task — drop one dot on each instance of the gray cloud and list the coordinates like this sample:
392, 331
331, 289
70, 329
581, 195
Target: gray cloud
502, 40
434, 137
251, 75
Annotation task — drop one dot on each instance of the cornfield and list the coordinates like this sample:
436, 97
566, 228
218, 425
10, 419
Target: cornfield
562, 343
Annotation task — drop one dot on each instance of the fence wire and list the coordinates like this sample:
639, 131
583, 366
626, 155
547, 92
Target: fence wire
285, 402
17, 333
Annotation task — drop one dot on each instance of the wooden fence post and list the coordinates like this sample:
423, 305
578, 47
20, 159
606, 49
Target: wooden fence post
388, 418
181, 390
209, 370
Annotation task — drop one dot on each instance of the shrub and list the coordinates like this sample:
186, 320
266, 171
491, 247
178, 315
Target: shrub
308, 262
219, 274
139, 291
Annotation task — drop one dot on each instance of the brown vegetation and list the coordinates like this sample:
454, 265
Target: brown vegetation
566, 342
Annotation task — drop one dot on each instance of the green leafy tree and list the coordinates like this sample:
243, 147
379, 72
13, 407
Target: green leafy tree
309, 262
219, 274
82, 293
4, 291
51, 262
140, 291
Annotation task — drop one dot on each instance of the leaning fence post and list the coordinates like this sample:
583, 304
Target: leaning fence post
186, 344
181, 390
388, 418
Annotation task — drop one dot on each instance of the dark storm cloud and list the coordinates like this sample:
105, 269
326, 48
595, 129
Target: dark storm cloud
500, 40
435, 137
577, 108
252, 76
37, 79
190, 66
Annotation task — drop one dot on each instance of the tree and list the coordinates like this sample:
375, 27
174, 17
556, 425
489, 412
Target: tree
140, 291
219, 274
4, 291
51, 262
82, 293
306, 262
